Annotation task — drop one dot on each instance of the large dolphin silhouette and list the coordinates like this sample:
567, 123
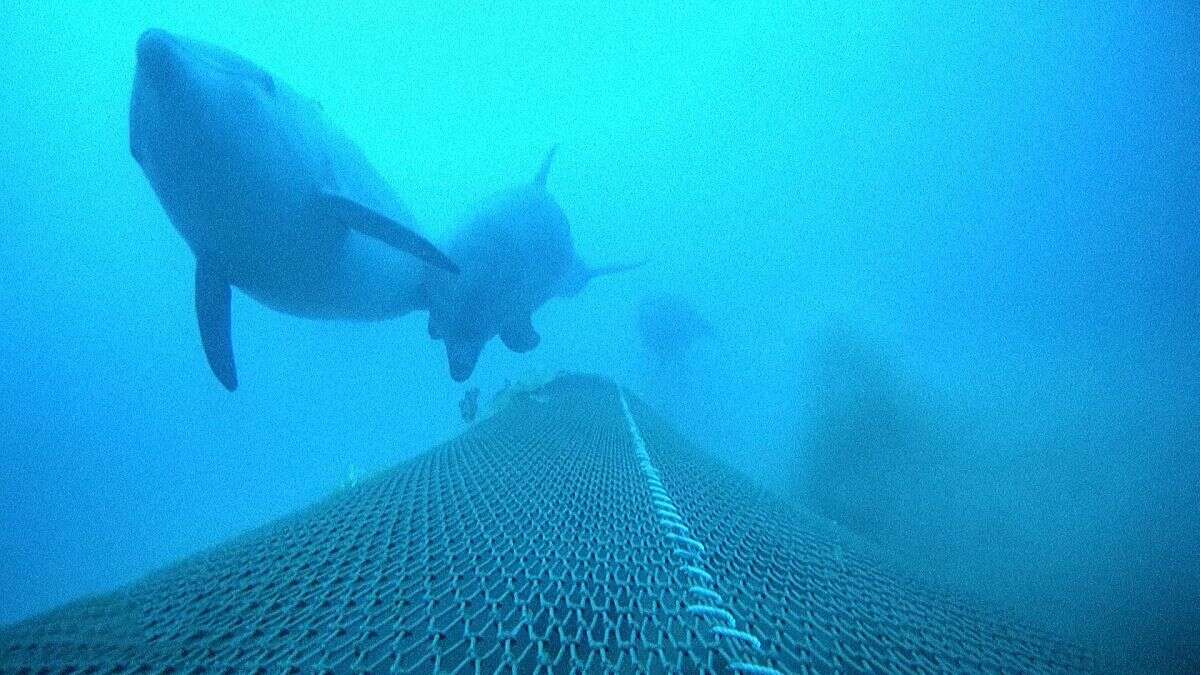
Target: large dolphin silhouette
515, 253
270, 197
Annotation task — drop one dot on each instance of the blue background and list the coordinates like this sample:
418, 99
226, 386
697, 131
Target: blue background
977, 223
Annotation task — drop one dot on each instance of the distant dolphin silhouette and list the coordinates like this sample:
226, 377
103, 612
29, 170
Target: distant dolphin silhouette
668, 326
516, 253
268, 194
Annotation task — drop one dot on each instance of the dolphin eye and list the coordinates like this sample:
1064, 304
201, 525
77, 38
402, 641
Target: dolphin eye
267, 83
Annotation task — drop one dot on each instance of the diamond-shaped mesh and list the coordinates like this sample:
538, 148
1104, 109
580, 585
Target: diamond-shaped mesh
573, 531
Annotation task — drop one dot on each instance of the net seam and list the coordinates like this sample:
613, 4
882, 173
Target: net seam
710, 604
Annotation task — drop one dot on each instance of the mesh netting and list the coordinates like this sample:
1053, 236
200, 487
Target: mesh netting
573, 531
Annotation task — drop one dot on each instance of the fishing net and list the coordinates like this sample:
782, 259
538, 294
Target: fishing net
573, 531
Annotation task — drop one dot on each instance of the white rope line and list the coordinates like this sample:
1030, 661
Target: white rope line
707, 602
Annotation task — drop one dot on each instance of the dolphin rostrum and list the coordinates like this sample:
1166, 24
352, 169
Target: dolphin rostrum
269, 195
516, 253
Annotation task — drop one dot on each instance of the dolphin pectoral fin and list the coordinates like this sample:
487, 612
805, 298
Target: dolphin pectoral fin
544, 170
519, 336
354, 215
581, 273
605, 270
212, 314
462, 357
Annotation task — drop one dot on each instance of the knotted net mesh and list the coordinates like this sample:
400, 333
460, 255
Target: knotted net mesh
573, 531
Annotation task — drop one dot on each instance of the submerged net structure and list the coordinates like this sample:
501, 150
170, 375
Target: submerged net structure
573, 531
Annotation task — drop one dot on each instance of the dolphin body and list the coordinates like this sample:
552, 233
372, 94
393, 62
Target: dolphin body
269, 195
515, 254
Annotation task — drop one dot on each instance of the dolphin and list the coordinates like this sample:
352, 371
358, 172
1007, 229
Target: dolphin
269, 195
668, 326
515, 253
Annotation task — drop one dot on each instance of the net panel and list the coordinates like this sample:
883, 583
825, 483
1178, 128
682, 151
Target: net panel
815, 596
571, 532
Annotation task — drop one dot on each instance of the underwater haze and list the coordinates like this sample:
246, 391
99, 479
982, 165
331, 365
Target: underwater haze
933, 273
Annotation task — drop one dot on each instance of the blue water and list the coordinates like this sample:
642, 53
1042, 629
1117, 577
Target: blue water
949, 257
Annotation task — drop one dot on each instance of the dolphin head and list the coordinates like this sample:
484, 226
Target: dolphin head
160, 64
462, 355
464, 327
200, 123
193, 86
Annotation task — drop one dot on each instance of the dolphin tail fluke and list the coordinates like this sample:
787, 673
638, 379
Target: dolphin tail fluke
544, 170
370, 222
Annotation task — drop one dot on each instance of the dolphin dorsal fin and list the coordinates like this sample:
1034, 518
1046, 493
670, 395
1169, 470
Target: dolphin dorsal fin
544, 170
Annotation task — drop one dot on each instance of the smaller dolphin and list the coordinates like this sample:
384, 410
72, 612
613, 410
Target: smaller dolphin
515, 253
269, 195
668, 326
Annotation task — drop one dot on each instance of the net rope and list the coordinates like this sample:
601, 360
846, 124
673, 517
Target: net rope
689, 557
